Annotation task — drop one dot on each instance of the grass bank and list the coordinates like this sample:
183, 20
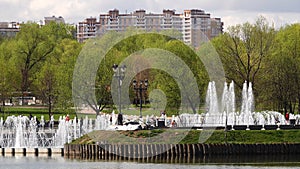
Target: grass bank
165, 136
35, 111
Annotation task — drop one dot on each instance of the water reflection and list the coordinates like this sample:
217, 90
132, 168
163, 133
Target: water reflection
273, 159
263, 159
221, 162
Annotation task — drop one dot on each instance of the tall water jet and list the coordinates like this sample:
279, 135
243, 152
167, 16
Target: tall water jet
231, 97
19, 141
102, 122
247, 105
224, 103
61, 136
250, 98
212, 114
75, 127
32, 134
232, 112
244, 107
228, 104
42, 122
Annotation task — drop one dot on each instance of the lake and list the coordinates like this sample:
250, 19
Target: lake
209, 162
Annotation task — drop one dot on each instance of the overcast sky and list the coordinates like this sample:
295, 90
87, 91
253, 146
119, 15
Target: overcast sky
232, 12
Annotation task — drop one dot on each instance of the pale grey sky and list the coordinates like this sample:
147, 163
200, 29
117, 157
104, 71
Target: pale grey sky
232, 12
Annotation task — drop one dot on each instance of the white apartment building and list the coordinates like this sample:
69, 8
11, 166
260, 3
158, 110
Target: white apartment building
195, 25
9, 29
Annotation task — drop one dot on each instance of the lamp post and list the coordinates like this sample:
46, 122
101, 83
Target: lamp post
140, 88
119, 73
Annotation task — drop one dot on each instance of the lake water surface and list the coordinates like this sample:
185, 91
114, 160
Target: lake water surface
63, 163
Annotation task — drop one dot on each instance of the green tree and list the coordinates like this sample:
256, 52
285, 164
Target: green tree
161, 80
32, 48
243, 49
34, 44
138, 45
68, 50
7, 70
4, 83
54, 80
88, 91
192, 60
46, 82
283, 70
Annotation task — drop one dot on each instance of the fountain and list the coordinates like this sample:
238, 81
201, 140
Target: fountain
20, 131
228, 114
225, 114
212, 117
228, 104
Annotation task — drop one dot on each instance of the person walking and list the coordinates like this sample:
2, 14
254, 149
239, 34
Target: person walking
120, 119
67, 117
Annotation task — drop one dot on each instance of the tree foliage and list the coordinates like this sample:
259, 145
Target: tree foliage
32, 62
137, 45
41, 60
243, 49
283, 70
266, 57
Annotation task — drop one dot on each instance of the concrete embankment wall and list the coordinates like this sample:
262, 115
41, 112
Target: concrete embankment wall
138, 151
32, 152
161, 151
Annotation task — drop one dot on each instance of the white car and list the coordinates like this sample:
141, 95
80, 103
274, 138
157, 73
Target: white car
127, 126
8, 104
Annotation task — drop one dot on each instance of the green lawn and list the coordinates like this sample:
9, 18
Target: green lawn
43, 111
35, 111
244, 136
165, 136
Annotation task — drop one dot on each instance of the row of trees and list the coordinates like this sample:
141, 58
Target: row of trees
144, 50
266, 57
41, 60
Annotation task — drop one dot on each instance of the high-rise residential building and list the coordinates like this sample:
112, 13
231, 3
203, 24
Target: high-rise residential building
9, 29
59, 19
87, 29
195, 25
